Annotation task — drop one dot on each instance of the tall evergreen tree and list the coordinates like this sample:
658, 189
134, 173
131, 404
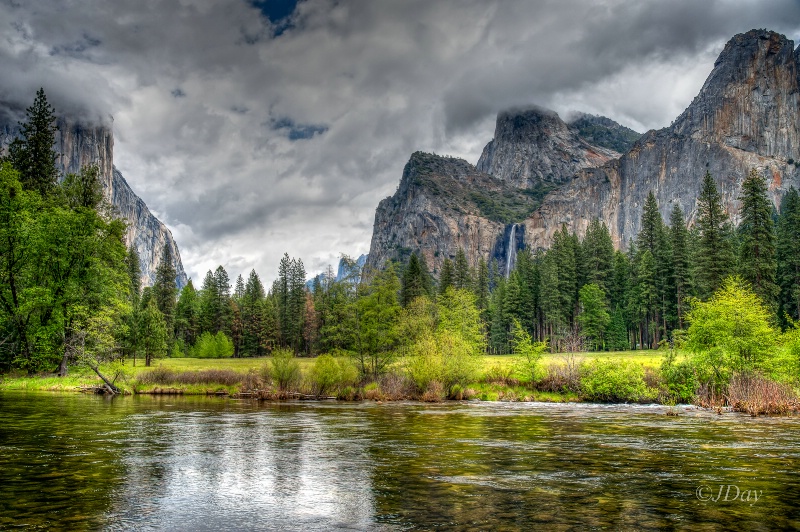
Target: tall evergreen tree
165, 291
598, 256
415, 281
788, 254
714, 254
32, 154
446, 277
679, 237
482, 289
757, 261
462, 279
187, 316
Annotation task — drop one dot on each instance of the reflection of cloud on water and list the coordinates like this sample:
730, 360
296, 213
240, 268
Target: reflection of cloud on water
241, 466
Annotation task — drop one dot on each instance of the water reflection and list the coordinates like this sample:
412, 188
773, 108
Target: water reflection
211, 464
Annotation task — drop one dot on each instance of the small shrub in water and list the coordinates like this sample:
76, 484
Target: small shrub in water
615, 381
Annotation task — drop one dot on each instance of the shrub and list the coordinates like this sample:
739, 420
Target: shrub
285, 369
328, 374
527, 354
614, 381
680, 380
434, 392
755, 394
443, 357
563, 377
213, 346
500, 374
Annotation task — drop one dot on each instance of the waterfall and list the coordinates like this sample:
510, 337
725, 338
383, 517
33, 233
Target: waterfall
511, 250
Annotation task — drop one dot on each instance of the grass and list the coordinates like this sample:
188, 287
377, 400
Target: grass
136, 380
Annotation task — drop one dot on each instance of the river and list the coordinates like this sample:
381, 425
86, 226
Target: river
84, 462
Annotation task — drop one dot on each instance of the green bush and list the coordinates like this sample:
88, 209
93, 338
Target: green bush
527, 354
680, 379
285, 369
442, 357
213, 346
614, 381
329, 374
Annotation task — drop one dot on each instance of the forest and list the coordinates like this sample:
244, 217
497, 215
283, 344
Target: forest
71, 291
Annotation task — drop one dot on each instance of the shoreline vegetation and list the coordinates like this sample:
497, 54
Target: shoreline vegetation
625, 377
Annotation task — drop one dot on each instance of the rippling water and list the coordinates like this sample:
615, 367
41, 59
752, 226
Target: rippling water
169, 463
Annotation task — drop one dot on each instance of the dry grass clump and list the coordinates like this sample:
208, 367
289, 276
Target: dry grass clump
434, 393
160, 375
754, 394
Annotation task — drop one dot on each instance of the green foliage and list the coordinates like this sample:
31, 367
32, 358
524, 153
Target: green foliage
285, 369
152, 330
788, 257
416, 280
32, 154
594, 317
680, 378
213, 346
527, 354
606, 133
329, 375
757, 263
714, 257
376, 313
732, 332
617, 381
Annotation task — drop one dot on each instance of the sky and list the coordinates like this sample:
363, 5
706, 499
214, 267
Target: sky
256, 127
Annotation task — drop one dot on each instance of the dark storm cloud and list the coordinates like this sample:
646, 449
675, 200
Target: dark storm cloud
257, 127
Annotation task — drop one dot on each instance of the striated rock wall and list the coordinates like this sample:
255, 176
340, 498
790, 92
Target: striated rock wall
535, 146
80, 144
746, 116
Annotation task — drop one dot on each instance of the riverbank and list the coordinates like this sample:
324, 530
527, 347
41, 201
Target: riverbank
618, 377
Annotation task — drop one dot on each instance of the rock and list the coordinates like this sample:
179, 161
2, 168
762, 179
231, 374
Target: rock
745, 116
534, 146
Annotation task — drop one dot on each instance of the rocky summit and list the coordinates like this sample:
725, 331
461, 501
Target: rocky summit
541, 172
81, 143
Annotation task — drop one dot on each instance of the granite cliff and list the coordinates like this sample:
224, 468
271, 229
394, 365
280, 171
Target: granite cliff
81, 143
747, 115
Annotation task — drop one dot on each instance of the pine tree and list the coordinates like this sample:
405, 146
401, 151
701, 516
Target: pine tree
238, 292
165, 291
32, 154
714, 255
187, 316
414, 281
788, 252
209, 304
482, 289
598, 256
757, 262
446, 278
564, 251
224, 317
461, 274
647, 239
679, 237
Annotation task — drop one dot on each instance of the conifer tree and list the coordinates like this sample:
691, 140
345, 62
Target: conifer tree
32, 154
482, 289
165, 291
679, 237
757, 262
414, 281
446, 277
714, 255
788, 254
598, 256
462, 278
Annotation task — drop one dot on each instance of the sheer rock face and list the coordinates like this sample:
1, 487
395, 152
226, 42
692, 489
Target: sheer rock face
81, 144
535, 146
425, 215
745, 116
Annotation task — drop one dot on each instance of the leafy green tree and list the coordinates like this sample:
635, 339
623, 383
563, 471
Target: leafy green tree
731, 332
376, 314
32, 153
594, 317
757, 261
153, 331
187, 316
527, 353
714, 257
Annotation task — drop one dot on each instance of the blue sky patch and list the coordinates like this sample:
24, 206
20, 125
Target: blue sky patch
294, 131
277, 11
